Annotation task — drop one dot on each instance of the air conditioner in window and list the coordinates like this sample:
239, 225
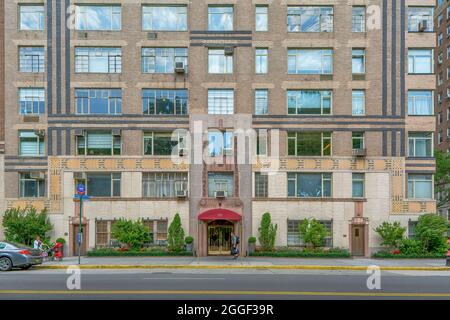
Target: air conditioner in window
40, 132
80, 132
423, 25
360, 152
180, 67
80, 176
181, 193
116, 132
220, 194
229, 51
37, 175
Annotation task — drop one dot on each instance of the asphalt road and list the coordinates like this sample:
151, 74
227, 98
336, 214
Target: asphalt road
222, 284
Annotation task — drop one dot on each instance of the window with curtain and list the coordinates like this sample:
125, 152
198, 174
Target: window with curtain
420, 186
358, 61
309, 102
309, 185
420, 102
164, 184
220, 182
219, 62
96, 143
358, 181
310, 61
31, 144
358, 102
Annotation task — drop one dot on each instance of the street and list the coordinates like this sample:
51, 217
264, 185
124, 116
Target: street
223, 284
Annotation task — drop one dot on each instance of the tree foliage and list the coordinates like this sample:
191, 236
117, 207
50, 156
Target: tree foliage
23, 225
132, 233
442, 178
267, 232
392, 234
175, 237
312, 232
432, 230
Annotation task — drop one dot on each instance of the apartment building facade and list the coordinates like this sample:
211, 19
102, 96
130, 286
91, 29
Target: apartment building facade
221, 111
442, 99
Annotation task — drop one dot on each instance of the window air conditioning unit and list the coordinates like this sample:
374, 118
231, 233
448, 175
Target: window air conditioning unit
229, 51
181, 194
423, 25
180, 67
117, 132
37, 175
80, 175
80, 132
359, 152
220, 194
39, 133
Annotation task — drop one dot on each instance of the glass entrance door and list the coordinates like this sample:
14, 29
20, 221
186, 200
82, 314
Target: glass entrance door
219, 237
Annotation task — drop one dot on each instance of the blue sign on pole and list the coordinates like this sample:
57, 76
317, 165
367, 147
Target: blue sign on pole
81, 189
79, 235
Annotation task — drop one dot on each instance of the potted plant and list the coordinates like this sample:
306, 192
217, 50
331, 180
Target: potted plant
189, 243
63, 242
251, 244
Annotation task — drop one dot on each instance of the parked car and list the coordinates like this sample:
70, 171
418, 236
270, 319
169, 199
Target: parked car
17, 256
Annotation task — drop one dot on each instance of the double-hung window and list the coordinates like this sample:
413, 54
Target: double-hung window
262, 18
219, 61
220, 18
31, 17
98, 101
358, 19
220, 143
98, 17
310, 19
31, 144
164, 102
261, 185
32, 59
164, 143
358, 141
220, 181
420, 144
99, 143
261, 60
98, 60
309, 102
310, 61
163, 184
358, 102
32, 185
309, 185
162, 60
420, 186
358, 181
102, 184
420, 102
220, 101
261, 101
164, 18
309, 143
420, 19
32, 101
420, 61
358, 61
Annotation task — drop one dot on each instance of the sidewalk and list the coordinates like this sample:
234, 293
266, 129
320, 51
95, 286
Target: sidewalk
247, 263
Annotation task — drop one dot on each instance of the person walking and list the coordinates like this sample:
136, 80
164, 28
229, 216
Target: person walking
37, 244
235, 245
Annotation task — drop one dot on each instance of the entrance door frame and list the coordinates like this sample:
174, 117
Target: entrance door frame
365, 229
74, 223
224, 224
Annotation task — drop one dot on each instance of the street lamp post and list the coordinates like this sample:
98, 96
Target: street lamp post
81, 194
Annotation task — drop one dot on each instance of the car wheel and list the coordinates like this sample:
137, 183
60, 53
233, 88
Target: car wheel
5, 264
28, 266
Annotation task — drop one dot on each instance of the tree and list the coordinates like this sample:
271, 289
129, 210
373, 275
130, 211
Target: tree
132, 233
23, 225
431, 230
175, 237
442, 178
392, 234
312, 232
267, 233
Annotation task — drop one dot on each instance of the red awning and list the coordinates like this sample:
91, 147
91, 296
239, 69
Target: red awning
220, 214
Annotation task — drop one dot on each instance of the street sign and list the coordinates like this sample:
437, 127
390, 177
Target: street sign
81, 189
79, 237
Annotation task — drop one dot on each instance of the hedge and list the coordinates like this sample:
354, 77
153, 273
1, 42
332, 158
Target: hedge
135, 253
332, 253
388, 255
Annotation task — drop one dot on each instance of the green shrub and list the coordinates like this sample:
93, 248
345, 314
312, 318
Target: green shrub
312, 232
389, 255
252, 240
61, 240
392, 234
411, 247
159, 252
267, 232
175, 236
23, 225
304, 253
431, 230
132, 233
189, 240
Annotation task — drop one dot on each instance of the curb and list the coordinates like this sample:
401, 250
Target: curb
276, 267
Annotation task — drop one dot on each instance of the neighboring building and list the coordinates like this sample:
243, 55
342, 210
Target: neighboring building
2, 110
442, 99
341, 98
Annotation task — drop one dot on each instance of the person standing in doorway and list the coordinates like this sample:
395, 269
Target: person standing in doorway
235, 245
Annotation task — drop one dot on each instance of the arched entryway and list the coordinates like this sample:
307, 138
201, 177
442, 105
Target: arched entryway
219, 237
